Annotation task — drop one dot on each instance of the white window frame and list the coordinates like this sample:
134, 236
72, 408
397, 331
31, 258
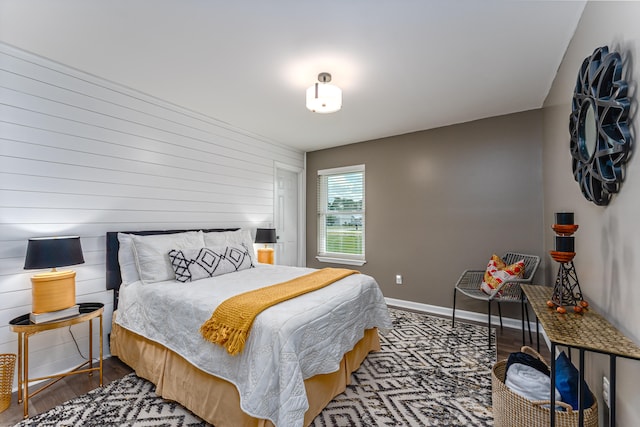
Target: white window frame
333, 257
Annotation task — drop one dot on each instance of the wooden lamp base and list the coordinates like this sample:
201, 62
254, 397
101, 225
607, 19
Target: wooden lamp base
53, 291
265, 255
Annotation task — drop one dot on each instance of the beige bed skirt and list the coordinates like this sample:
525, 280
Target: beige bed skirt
213, 399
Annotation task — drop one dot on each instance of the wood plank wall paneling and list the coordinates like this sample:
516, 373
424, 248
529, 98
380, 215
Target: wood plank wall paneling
81, 155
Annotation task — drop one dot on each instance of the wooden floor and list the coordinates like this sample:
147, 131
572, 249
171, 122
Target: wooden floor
63, 390
508, 340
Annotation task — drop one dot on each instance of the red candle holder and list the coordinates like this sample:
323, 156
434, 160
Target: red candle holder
564, 229
562, 257
566, 291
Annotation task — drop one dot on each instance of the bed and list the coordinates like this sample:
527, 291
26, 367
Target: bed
299, 354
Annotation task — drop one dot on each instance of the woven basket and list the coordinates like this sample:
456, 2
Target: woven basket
7, 365
512, 410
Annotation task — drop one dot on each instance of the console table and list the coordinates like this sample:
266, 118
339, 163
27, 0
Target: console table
585, 332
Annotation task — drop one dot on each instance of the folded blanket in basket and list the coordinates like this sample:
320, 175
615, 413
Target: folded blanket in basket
529, 360
529, 383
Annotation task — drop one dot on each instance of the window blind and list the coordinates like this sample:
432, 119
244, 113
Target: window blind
341, 213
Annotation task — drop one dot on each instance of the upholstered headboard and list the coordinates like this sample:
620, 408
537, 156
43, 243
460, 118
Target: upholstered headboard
114, 279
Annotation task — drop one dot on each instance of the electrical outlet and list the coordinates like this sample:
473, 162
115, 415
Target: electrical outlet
605, 391
398, 279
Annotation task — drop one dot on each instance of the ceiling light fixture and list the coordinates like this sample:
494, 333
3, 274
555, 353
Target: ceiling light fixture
323, 97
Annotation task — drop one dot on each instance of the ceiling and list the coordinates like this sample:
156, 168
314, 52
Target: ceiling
403, 65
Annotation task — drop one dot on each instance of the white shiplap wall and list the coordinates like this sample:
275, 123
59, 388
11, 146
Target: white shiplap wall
81, 155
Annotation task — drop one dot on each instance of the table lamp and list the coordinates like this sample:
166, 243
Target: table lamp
54, 290
266, 236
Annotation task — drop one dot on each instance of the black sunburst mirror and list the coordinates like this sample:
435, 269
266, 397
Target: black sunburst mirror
600, 137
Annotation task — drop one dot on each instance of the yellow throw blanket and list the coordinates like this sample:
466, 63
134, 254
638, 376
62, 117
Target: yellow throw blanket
230, 323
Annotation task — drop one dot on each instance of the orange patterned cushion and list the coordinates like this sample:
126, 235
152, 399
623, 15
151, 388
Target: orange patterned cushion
498, 272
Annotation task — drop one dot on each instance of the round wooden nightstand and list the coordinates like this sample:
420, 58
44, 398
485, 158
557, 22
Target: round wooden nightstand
23, 326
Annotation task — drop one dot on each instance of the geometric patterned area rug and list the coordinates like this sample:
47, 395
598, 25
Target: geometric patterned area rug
130, 401
426, 374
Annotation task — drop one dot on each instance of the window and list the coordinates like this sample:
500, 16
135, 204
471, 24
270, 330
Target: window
341, 219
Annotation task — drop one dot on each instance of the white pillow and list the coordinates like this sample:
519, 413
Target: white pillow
226, 238
127, 259
152, 253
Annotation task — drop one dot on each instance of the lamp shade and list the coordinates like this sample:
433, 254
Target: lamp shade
266, 235
323, 97
52, 252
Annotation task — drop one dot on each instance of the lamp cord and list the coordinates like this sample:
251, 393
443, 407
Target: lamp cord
76, 343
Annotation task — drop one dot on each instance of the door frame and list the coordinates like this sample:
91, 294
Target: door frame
302, 227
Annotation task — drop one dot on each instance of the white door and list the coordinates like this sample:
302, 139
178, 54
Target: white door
286, 214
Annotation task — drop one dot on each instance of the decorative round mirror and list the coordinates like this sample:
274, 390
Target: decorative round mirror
587, 130
600, 138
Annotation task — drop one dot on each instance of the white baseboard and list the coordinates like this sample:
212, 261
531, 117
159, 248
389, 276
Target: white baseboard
507, 322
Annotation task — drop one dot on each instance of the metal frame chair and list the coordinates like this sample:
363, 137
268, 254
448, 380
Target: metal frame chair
470, 280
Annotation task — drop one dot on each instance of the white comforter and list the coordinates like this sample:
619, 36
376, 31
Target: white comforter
288, 343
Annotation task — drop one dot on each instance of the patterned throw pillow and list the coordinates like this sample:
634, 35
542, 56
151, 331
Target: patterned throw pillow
498, 272
195, 264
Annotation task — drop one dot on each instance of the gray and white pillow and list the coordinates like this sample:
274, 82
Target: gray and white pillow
194, 264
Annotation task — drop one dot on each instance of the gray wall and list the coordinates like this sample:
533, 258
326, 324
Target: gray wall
608, 241
441, 201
